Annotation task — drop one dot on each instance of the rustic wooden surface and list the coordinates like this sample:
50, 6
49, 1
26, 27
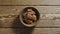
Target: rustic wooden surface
7, 11
28, 2
9, 19
29, 31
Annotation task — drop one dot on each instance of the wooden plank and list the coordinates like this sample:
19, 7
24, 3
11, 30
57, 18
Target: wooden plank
26, 31
9, 10
56, 30
15, 10
29, 30
41, 2
15, 22
28, 2
4, 10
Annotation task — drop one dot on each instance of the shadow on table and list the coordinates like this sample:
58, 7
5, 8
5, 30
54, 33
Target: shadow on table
18, 28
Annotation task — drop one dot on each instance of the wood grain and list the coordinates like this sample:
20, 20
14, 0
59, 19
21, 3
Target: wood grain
29, 30
15, 10
28, 2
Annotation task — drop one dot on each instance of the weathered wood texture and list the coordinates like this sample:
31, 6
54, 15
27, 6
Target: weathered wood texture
29, 2
10, 23
13, 21
29, 30
4, 10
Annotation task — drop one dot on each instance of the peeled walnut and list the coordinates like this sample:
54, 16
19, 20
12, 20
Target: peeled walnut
29, 16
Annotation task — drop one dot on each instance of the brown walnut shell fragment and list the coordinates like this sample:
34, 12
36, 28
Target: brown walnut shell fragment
29, 16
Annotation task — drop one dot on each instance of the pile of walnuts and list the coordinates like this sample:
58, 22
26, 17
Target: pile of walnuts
29, 16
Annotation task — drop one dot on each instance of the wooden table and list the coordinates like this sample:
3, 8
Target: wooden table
9, 19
